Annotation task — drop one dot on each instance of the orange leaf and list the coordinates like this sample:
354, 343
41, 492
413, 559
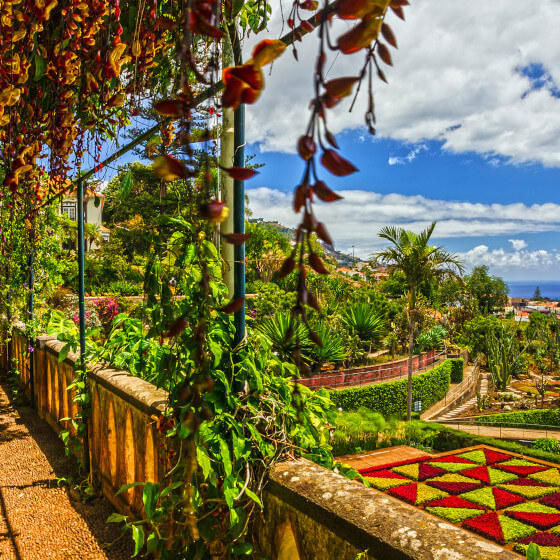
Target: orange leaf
169, 168
336, 164
340, 87
169, 108
323, 234
398, 11
299, 197
239, 173
267, 51
216, 211
360, 36
243, 84
233, 306
312, 302
358, 9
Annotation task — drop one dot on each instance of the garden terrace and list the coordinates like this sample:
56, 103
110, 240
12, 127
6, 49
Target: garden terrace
502, 496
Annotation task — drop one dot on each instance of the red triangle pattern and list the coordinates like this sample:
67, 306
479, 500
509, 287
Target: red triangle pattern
480, 473
505, 499
454, 487
521, 470
494, 456
429, 471
553, 500
408, 493
538, 520
381, 473
453, 459
486, 525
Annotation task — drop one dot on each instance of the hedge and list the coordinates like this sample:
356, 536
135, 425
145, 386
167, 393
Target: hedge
457, 370
543, 417
448, 439
390, 398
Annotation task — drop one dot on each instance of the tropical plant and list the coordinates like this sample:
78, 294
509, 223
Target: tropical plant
391, 341
419, 261
285, 335
432, 339
364, 321
331, 350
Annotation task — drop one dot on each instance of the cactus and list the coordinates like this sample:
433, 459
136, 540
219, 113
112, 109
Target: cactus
501, 349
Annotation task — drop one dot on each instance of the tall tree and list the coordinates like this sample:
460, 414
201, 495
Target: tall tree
490, 292
412, 254
537, 295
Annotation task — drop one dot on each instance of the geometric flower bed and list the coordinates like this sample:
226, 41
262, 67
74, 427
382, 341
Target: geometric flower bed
502, 497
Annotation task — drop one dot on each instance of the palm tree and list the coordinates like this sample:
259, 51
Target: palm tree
419, 261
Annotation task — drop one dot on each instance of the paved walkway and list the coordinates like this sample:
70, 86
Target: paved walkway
38, 520
503, 432
382, 457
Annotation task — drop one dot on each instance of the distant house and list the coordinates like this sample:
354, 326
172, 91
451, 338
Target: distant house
92, 214
517, 302
352, 273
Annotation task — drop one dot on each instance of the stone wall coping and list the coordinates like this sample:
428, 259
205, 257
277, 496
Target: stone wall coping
370, 520
136, 391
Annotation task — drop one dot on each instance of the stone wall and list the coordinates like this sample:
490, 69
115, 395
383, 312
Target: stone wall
366, 374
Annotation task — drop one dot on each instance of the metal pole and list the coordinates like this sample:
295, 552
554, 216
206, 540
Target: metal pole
81, 305
239, 227
30, 310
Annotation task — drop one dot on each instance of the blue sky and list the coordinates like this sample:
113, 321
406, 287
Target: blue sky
468, 134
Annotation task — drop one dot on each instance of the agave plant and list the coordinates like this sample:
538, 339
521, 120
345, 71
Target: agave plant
276, 330
431, 339
333, 347
369, 325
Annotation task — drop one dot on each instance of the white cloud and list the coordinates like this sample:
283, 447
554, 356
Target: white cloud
502, 261
518, 244
456, 78
411, 156
368, 212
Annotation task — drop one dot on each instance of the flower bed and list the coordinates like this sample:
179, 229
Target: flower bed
500, 496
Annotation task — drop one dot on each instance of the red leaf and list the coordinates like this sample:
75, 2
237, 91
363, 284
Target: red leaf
308, 26
387, 32
299, 197
325, 193
214, 210
315, 338
323, 234
336, 164
169, 168
236, 238
176, 328
340, 87
233, 306
357, 9
312, 302
306, 147
331, 139
169, 108
398, 11
287, 267
239, 173
384, 54
360, 36
317, 264
381, 75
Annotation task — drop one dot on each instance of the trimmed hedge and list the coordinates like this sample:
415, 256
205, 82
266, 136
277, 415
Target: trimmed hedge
448, 439
543, 417
457, 370
390, 398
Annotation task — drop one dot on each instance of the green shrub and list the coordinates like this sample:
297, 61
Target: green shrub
550, 445
357, 431
542, 417
389, 398
457, 370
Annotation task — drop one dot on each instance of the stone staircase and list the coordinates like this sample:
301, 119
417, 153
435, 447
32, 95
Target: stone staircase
452, 414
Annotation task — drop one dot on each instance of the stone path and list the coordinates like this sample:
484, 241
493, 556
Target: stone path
38, 520
504, 432
382, 457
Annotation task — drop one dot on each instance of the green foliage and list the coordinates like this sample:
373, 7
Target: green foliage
457, 370
432, 339
541, 417
357, 431
332, 348
475, 333
365, 322
489, 292
551, 445
389, 399
269, 298
533, 552
501, 353
283, 334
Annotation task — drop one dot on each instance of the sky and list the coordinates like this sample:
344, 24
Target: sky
468, 134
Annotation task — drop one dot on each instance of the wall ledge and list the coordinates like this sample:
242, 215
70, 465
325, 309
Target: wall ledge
369, 520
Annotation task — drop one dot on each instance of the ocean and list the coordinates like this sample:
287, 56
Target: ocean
526, 289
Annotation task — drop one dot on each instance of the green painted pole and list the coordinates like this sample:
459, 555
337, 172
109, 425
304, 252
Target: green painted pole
81, 305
